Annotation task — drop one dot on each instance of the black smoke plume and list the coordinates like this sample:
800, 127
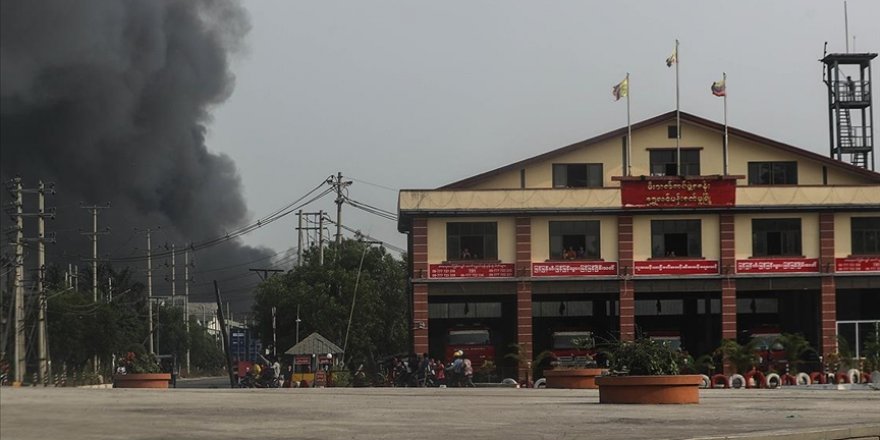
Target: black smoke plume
110, 100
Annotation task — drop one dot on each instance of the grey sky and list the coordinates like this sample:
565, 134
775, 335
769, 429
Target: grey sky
418, 94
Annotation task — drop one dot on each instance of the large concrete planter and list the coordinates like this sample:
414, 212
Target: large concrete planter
145, 380
649, 389
576, 378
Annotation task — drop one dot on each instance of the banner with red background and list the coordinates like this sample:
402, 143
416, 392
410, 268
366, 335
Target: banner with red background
675, 267
574, 268
668, 193
475, 270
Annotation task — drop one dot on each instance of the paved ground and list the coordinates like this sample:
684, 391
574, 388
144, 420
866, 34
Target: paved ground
372, 413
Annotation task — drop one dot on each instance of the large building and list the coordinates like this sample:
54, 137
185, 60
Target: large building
758, 237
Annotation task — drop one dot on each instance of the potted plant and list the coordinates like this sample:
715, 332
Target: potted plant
871, 354
646, 371
138, 369
578, 370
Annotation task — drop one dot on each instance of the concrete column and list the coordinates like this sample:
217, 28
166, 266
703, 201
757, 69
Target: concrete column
524, 292
625, 265
419, 251
828, 292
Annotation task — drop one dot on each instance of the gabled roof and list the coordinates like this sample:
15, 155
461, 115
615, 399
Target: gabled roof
465, 183
314, 344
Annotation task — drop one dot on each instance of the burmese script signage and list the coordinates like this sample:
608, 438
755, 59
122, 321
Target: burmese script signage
693, 193
673, 267
302, 360
475, 270
857, 264
778, 265
574, 268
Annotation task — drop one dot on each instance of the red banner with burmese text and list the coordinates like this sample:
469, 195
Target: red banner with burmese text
574, 268
475, 270
777, 265
690, 193
675, 267
857, 264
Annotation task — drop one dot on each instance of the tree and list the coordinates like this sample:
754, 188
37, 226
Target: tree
324, 294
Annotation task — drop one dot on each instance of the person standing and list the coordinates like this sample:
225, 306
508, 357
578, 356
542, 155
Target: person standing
468, 370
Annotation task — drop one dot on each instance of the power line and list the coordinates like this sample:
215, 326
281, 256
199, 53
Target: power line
374, 184
278, 214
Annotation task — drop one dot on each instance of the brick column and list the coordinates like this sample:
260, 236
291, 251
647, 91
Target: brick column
420, 318
524, 292
728, 283
419, 325
625, 263
828, 292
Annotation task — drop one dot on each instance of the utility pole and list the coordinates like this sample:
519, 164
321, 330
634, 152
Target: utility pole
274, 337
148, 232
42, 326
94, 234
310, 218
173, 279
18, 284
186, 282
320, 240
297, 324
299, 239
340, 185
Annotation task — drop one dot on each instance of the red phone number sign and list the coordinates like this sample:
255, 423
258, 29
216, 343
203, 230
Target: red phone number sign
574, 268
778, 265
857, 264
677, 193
488, 270
664, 267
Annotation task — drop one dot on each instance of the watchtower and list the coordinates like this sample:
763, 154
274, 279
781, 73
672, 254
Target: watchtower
850, 115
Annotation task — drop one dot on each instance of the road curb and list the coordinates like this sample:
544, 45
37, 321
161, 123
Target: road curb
861, 432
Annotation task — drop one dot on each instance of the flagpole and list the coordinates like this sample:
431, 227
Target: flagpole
629, 132
677, 114
724, 80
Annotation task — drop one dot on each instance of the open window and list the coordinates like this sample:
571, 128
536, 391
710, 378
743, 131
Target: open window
776, 237
573, 240
471, 241
577, 175
676, 238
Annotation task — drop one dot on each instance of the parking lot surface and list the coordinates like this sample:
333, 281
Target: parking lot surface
401, 413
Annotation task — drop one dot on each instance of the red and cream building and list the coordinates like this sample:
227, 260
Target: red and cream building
785, 241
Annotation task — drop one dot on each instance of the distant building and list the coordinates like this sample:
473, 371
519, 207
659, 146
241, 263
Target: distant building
786, 241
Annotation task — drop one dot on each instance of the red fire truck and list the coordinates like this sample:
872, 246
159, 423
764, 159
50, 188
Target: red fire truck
566, 351
475, 342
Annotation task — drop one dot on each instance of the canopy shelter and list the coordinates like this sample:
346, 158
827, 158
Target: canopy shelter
314, 344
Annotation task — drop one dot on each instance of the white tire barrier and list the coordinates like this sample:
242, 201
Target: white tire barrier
705, 382
540, 383
855, 376
509, 381
737, 381
773, 381
803, 379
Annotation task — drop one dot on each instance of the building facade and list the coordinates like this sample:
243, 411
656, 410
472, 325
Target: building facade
756, 238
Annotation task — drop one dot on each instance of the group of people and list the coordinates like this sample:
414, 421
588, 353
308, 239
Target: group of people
570, 254
467, 255
424, 371
265, 373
